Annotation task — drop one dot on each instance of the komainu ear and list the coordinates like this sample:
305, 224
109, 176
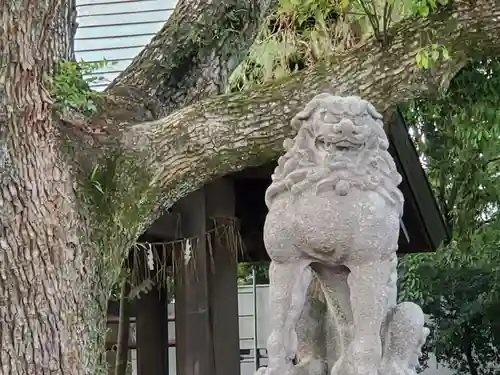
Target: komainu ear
310, 108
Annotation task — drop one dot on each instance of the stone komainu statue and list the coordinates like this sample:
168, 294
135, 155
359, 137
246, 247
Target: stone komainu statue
334, 214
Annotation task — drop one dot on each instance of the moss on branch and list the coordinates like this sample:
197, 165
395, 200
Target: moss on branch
116, 194
231, 132
194, 54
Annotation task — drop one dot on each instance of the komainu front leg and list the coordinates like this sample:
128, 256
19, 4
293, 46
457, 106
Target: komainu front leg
311, 333
368, 286
333, 281
288, 284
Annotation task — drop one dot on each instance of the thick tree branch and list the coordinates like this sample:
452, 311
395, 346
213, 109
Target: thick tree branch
187, 48
231, 132
189, 59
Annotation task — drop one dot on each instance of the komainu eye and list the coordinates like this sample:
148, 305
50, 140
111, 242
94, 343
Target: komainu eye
331, 119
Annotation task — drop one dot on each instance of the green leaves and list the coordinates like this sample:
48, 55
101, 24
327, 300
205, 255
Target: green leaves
70, 86
94, 181
422, 59
425, 7
298, 35
458, 137
431, 55
245, 272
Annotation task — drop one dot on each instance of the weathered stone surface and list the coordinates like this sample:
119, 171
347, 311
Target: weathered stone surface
334, 212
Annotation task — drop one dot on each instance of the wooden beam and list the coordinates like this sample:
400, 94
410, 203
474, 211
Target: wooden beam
193, 331
262, 172
114, 309
165, 228
122, 350
422, 213
223, 281
152, 333
111, 346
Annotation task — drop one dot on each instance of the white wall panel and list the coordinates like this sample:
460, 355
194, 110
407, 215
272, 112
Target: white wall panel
116, 54
124, 19
83, 45
110, 7
118, 30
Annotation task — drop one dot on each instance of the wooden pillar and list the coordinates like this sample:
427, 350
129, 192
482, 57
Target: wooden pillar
193, 331
122, 350
224, 283
152, 334
206, 294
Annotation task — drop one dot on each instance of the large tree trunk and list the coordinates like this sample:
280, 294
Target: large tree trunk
70, 205
61, 239
48, 290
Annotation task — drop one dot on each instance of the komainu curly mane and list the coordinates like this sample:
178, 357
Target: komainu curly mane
334, 215
369, 168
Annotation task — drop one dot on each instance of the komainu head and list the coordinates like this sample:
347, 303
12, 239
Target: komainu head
340, 144
334, 125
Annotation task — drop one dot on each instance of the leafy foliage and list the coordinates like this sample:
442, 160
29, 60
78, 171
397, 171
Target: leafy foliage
298, 35
424, 7
71, 86
458, 136
431, 54
302, 33
261, 273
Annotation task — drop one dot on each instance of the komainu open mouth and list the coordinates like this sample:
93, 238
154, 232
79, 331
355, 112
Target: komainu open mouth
338, 145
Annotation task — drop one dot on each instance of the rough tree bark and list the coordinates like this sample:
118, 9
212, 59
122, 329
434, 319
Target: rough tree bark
153, 143
58, 241
46, 258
